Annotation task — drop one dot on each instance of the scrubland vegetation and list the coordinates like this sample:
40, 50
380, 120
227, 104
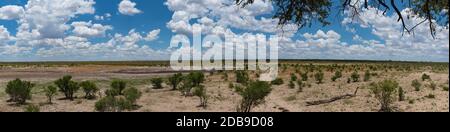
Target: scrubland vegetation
151, 86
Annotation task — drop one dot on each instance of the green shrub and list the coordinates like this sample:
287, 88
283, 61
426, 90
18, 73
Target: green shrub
291, 84
445, 88
32, 108
89, 89
19, 91
242, 77
384, 92
132, 95
113, 104
293, 77
186, 86
196, 77
253, 95
118, 86
355, 76
300, 85
175, 80
50, 91
200, 92
304, 76
401, 94
425, 77
430, 96
337, 75
416, 84
367, 76
319, 77
67, 86
349, 80
157, 83
277, 81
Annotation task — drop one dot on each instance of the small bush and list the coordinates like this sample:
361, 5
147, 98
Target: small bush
445, 88
67, 86
253, 95
19, 91
132, 95
196, 78
89, 89
201, 93
337, 75
355, 76
349, 80
117, 87
300, 85
304, 76
401, 94
32, 108
157, 83
384, 92
242, 77
175, 80
50, 91
113, 104
426, 77
277, 81
291, 84
416, 84
367, 76
293, 77
430, 96
319, 77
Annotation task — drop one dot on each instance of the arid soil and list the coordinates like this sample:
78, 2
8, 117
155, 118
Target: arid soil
221, 97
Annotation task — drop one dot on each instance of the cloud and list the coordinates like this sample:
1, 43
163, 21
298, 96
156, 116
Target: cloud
11, 12
87, 29
4, 35
153, 35
127, 7
101, 18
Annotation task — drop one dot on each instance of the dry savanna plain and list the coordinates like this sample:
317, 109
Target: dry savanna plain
302, 86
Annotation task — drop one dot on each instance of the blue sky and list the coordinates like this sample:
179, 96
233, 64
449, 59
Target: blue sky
72, 30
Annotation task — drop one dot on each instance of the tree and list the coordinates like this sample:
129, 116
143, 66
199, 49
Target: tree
19, 91
200, 92
355, 76
50, 91
118, 86
242, 77
67, 86
89, 89
253, 95
367, 76
175, 80
157, 83
384, 92
305, 12
319, 77
416, 84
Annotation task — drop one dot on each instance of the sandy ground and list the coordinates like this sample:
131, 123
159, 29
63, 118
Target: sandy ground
222, 98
